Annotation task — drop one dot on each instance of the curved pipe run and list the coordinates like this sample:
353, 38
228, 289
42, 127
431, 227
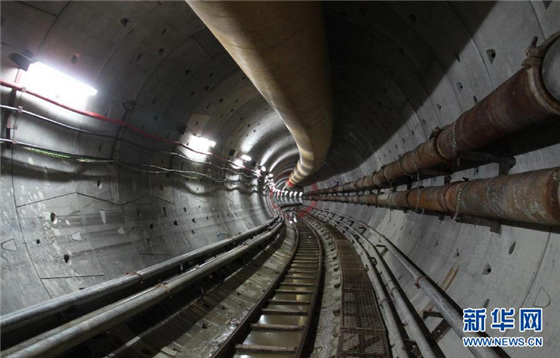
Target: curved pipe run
281, 47
530, 97
532, 197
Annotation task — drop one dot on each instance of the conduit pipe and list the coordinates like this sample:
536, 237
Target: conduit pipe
45, 310
390, 318
401, 301
119, 122
63, 338
281, 47
416, 331
399, 347
529, 97
445, 307
532, 197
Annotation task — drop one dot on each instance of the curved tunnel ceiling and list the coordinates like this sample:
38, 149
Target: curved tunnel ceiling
399, 70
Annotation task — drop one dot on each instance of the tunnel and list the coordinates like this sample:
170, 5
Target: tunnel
280, 179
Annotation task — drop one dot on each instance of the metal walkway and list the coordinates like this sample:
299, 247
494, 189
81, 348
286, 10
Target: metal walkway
362, 332
280, 323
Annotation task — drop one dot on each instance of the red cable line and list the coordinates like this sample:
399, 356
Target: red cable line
114, 121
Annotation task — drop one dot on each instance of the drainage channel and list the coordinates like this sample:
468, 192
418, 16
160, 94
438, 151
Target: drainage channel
280, 324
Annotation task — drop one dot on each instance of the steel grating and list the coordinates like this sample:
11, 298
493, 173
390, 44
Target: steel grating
362, 332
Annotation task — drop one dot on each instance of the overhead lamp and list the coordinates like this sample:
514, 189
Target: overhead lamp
52, 83
263, 168
201, 144
238, 162
246, 158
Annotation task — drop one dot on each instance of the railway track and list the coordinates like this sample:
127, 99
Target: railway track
280, 323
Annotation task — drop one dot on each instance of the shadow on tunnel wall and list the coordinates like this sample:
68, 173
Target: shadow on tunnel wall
367, 42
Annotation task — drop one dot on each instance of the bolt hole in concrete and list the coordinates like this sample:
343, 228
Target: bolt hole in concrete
99, 185
123, 21
511, 248
54, 219
491, 53
176, 223
152, 226
66, 258
74, 58
38, 241
486, 303
487, 269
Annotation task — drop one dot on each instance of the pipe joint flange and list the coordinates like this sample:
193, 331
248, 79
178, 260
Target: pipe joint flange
543, 73
163, 285
435, 132
135, 274
417, 281
392, 289
535, 53
556, 175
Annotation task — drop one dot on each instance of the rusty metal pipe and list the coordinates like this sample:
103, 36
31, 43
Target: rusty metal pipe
529, 97
529, 197
521, 101
282, 48
532, 197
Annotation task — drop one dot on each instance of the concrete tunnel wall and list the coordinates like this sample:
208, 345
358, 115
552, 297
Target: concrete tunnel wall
399, 70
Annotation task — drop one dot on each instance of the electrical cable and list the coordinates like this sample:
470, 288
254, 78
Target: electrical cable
88, 159
118, 122
99, 134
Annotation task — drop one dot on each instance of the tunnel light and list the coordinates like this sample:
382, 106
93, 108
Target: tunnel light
201, 144
246, 158
238, 162
51, 83
263, 168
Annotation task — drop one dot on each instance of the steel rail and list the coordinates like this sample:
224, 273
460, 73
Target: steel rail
45, 310
304, 343
248, 325
228, 347
63, 338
